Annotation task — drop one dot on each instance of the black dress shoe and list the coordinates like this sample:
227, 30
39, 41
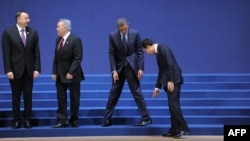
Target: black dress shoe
169, 134
27, 124
179, 134
16, 124
107, 123
74, 124
61, 125
144, 122
186, 132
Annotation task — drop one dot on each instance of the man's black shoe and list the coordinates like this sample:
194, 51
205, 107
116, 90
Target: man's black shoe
16, 124
169, 134
144, 122
107, 123
61, 125
27, 124
74, 124
179, 134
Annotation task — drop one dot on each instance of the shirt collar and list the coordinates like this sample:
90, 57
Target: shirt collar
156, 48
125, 34
19, 28
66, 36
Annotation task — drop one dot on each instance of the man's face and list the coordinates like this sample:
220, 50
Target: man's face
61, 29
123, 28
23, 20
149, 50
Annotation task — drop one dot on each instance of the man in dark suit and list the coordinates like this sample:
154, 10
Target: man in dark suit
127, 62
170, 78
68, 73
21, 58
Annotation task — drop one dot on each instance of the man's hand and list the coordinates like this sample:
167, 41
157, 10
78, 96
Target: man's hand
10, 75
53, 76
35, 74
69, 76
170, 86
140, 74
115, 76
156, 93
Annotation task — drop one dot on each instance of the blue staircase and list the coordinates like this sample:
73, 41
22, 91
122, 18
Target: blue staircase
209, 101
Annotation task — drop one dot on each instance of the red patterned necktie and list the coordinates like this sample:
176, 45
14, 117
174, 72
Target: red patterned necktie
60, 46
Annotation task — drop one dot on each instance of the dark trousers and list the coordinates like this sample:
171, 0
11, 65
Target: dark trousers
21, 86
74, 89
135, 88
178, 122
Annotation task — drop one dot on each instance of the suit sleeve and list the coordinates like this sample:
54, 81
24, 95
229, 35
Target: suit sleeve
168, 64
139, 51
37, 64
77, 56
112, 54
165, 61
158, 81
54, 67
6, 48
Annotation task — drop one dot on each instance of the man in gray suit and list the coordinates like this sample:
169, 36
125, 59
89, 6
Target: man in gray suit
127, 63
68, 73
21, 58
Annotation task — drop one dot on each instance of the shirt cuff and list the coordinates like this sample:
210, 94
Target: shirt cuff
157, 89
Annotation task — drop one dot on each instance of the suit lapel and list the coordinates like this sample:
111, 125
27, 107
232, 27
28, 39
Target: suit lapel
158, 55
27, 30
67, 41
16, 32
57, 44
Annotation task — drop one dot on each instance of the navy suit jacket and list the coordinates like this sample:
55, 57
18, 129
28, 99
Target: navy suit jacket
69, 60
16, 57
133, 54
169, 70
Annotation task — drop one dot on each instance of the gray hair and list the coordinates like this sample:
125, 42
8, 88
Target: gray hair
67, 23
122, 21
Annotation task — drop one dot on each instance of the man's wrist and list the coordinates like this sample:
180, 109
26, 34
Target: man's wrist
157, 89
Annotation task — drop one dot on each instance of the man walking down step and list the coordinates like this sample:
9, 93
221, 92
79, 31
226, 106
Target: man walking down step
127, 63
170, 78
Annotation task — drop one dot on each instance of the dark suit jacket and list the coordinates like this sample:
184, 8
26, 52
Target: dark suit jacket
168, 67
69, 61
134, 54
16, 57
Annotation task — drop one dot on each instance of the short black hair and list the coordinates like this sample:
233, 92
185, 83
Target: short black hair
122, 22
147, 42
18, 13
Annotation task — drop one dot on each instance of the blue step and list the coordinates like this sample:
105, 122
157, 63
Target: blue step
209, 101
118, 130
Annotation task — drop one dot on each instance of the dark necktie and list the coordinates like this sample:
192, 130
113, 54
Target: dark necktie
23, 37
60, 46
124, 42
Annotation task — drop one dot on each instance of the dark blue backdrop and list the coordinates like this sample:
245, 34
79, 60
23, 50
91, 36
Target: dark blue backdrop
207, 36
